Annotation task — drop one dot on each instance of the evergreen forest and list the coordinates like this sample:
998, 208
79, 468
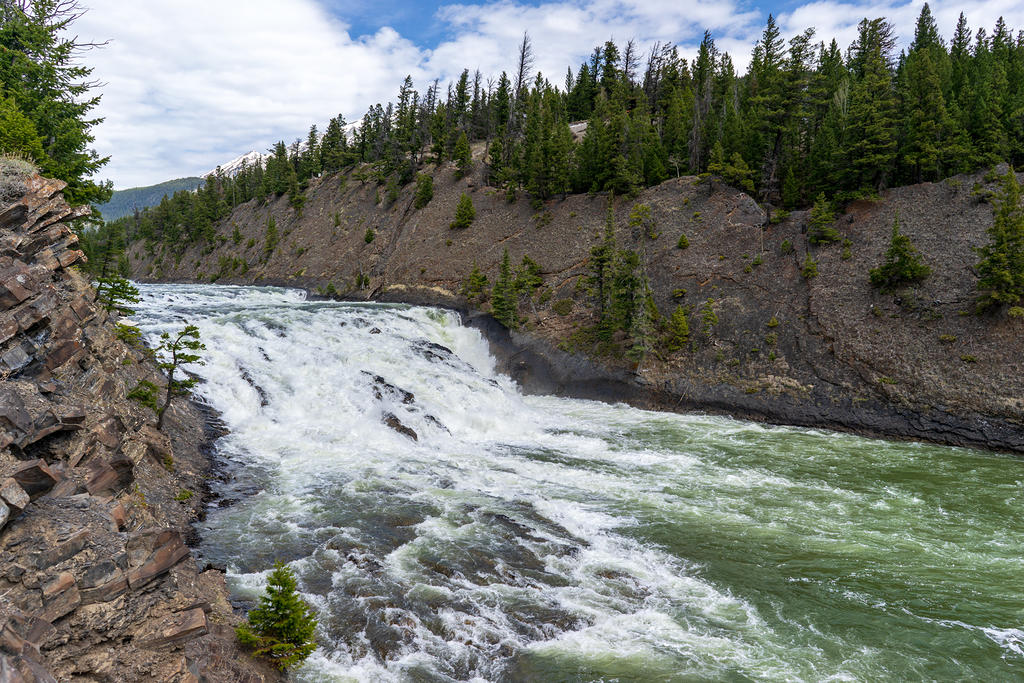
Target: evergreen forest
809, 119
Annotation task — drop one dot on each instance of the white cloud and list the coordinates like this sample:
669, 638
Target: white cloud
189, 84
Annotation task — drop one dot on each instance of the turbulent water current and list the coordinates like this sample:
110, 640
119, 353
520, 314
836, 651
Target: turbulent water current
529, 538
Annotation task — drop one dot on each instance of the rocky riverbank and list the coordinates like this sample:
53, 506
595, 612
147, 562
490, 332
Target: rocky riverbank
97, 582
766, 342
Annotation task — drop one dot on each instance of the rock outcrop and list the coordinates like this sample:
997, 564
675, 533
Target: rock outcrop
765, 342
96, 581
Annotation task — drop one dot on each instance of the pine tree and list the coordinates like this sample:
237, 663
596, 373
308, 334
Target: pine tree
810, 267
821, 230
504, 298
282, 628
601, 267
678, 334
641, 324
626, 283
766, 106
296, 197
463, 159
870, 141
734, 172
901, 266
464, 212
527, 277
716, 162
116, 293
173, 352
42, 75
424, 190
475, 287
272, 238
928, 131
18, 134
1001, 269
334, 146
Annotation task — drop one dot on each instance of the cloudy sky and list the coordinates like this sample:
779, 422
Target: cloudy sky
188, 84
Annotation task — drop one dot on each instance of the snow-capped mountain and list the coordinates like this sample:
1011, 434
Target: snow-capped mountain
250, 158
232, 167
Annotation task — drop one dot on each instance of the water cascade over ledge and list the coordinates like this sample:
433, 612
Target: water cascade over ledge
447, 527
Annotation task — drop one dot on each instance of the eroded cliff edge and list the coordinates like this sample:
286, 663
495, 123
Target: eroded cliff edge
97, 582
826, 351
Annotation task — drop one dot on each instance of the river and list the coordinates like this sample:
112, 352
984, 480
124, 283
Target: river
532, 538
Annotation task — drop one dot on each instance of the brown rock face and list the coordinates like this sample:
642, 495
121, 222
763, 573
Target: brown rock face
81, 598
35, 478
826, 351
167, 549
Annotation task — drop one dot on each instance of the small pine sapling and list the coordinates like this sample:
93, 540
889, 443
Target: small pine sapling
475, 286
282, 628
901, 266
678, 335
821, 230
464, 212
424, 190
810, 267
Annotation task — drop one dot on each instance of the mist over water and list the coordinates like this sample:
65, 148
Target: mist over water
538, 538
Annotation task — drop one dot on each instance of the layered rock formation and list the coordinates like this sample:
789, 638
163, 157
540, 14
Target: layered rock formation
96, 581
766, 342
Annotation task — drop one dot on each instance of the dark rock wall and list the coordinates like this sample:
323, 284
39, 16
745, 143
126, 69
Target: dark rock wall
96, 582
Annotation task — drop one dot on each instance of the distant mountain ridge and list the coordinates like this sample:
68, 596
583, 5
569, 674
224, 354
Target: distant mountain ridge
249, 159
231, 168
125, 202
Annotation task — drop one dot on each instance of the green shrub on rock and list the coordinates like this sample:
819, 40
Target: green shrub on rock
562, 307
145, 392
810, 268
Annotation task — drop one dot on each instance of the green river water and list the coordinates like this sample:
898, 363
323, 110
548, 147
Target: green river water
546, 539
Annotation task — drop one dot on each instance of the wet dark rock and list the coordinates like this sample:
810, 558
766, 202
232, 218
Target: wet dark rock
382, 388
433, 351
260, 391
437, 423
386, 640
394, 423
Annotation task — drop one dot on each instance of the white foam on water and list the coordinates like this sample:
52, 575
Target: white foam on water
517, 531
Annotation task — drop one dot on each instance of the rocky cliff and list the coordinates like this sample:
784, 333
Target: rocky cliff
766, 342
97, 582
